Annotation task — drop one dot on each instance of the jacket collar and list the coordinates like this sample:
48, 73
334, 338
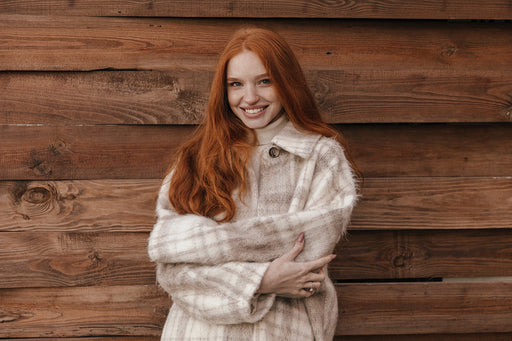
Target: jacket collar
295, 141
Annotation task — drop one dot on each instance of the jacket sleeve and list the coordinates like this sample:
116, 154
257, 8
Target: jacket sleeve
323, 218
220, 294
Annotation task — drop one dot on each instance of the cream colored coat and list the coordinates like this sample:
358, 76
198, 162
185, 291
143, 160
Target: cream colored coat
213, 270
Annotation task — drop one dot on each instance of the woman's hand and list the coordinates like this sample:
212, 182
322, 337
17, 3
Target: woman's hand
285, 277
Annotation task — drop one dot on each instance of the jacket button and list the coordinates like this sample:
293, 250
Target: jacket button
274, 152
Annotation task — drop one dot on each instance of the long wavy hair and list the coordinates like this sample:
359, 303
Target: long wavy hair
213, 162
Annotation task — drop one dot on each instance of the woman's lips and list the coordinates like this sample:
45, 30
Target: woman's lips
254, 112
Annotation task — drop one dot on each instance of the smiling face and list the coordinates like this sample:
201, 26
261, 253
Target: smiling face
251, 94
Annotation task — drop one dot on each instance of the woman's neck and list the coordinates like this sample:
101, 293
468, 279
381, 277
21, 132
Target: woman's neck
267, 133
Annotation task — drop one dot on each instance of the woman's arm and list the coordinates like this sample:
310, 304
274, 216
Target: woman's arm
196, 239
220, 294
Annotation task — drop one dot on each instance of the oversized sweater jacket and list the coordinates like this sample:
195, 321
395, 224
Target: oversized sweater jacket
212, 270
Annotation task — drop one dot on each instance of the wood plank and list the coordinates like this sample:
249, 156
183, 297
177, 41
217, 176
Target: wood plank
83, 311
425, 308
115, 152
429, 337
33, 259
62, 259
423, 254
99, 338
179, 97
431, 150
128, 205
386, 9
88, 152
440, 203
104, 97
366, 309
85, 43
78, 206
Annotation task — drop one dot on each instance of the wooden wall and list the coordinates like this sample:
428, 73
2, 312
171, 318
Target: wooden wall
96, 95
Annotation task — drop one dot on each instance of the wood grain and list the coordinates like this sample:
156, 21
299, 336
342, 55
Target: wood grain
425, 308
142, 152
33, 259
65, 259
83, 311
434, 203
37, 43
88, 152
384, 9
78, 206
128, 205
365, 309
428, 337
423, 254
358, 95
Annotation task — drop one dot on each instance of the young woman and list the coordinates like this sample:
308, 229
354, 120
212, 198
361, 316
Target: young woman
254, 205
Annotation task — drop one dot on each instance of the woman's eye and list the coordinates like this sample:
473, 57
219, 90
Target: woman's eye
265, 81
235, 84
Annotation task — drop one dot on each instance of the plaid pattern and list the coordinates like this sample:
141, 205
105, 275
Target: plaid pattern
212, 270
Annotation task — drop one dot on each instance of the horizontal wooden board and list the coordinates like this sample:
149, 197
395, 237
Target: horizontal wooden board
128, 205
429, 337
62, 259
78, 206
113, 152
83, 311
365, 309
425, 308
93, 338
33, 259
88, 152
383, 9
85, 43
442, 203
179, 97
423, 254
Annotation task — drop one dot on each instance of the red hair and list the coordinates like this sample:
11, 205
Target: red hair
212, 164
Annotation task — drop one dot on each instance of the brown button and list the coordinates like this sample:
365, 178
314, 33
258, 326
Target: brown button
274, 152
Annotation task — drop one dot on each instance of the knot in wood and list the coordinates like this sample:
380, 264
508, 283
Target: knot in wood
38, 195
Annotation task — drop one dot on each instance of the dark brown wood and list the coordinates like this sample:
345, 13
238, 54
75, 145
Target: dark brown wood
179, 97
431, 150
115, 152
435, 203
387, 9
62, 259
365, 309
84, 43
32, 259
423, 254
104, 97
88, 152
83, 311
128, 205
429, 337
425, 308
100, 338
78, 206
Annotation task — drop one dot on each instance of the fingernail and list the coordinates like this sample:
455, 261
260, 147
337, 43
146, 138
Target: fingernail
333, 256
301, 237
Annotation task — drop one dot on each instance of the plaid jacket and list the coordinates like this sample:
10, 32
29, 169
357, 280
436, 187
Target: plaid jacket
212, 270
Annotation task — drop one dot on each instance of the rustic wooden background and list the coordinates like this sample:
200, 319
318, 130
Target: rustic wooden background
96, 95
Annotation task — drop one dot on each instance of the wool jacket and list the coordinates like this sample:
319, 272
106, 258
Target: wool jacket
213, 270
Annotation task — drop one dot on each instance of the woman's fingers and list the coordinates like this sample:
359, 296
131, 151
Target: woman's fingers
318, 264
296, 249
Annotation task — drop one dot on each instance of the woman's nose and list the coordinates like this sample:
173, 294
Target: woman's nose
251, 94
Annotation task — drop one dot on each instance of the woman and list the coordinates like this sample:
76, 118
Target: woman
254, 205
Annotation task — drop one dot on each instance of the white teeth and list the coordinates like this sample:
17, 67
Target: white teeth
253, 111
